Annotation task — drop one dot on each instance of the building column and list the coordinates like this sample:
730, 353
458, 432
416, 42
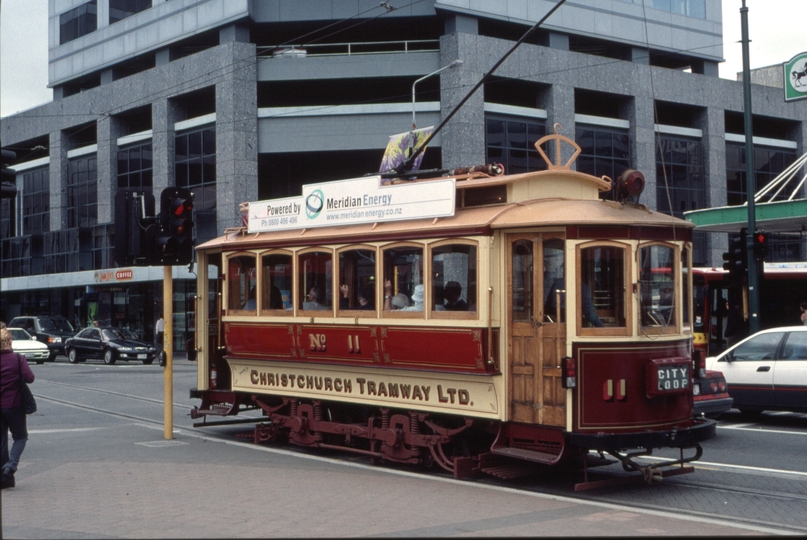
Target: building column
712, 123
109, 130
236, 136
558, 101
58, 180
164, 114
639, 112
462, 140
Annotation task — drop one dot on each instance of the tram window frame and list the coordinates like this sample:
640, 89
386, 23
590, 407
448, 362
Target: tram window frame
623, 329
424, 272
656, 323
263, 275
231, 282
303, 289
470, 289
353, 288
687, 308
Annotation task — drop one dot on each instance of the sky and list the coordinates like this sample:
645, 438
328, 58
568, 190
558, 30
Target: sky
777, 28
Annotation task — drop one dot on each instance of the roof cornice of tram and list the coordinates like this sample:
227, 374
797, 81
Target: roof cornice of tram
477, 221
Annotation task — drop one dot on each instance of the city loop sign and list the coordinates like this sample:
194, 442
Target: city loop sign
350, 202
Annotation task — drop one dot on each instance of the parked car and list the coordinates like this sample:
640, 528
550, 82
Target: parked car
24, 343
767, 371
50, 330
109, 344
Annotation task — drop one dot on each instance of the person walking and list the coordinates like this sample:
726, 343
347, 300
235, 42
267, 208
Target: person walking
12, 415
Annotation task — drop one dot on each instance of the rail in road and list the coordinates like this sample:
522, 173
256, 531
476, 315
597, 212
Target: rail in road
752, 475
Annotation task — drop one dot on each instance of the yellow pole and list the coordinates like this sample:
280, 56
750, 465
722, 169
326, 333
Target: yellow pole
168, 348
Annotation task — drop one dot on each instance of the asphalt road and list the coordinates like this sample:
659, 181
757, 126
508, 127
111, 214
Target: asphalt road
98, 465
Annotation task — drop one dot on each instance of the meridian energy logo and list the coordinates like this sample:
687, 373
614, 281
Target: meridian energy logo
314, 204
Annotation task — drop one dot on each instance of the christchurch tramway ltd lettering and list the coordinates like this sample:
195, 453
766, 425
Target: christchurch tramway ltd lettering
362, 386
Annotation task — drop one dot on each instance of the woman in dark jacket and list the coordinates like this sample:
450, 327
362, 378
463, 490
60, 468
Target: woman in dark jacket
12, 366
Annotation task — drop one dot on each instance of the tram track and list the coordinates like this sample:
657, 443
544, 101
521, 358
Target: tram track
554, 485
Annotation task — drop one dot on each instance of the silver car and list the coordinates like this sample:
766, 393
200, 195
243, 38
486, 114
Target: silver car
767, 371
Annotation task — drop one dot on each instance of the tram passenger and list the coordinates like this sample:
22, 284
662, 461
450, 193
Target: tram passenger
314, 299
452, 292
397, 302
366, 298
417, 300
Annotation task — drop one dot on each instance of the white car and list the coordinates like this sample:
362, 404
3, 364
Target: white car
767, 371
23, 343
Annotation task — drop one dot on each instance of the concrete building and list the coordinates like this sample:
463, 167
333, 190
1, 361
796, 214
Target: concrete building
243, 100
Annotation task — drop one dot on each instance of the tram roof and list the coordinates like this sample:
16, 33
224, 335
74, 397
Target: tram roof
547, 212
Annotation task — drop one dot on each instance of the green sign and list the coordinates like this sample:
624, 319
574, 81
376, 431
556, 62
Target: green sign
796, 77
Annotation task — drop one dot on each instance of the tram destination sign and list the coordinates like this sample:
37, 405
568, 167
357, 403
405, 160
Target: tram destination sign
351, 202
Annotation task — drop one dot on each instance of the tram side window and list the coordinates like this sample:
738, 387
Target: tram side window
315, 280
601, 287
454, 278
276, 284
554, 281
241, 276
522, 280
403, 279
357, 279
657, 285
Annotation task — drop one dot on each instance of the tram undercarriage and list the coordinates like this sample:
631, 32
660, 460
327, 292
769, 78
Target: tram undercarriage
465, 447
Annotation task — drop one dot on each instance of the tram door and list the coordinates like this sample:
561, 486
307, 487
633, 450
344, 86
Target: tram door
537, 339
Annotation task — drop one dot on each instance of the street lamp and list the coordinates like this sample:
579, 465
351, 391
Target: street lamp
453, 64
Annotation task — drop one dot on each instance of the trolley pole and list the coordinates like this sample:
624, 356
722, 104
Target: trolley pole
168, 350
751, 189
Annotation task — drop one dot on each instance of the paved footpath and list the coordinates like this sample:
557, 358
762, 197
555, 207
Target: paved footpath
124, 480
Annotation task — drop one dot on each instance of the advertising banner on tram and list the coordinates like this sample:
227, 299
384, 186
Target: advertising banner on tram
350, 202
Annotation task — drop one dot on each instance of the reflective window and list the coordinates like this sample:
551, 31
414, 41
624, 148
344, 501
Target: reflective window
276, 281
603, 152
78, 22
554, 282
242, 278
315, 278
454, 278
121, 9
357, 279
657, 285
522, 280
403, 279
796, 346
761, 347
601, 288
511, 142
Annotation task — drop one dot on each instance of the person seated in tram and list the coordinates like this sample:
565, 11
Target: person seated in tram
400, 301
365, 298
314, 299
452, 292
417, 300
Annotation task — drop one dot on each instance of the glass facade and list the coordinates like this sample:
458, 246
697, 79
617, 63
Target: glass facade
135, 167
78, 22
121, 9
82, 192
511, 142
603, 151
36, 201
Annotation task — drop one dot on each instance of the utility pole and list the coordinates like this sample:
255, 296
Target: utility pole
751, 189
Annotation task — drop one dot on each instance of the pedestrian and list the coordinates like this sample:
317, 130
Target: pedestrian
159, 330
803, 307
12, 367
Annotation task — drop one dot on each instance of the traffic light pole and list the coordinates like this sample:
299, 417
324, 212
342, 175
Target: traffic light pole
753, 277
168, 350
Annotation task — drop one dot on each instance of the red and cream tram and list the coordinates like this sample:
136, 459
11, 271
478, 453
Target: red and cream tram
488, 324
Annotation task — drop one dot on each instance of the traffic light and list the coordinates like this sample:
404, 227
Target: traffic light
174, 244
737, 256
8, 176
134, 217
761, 245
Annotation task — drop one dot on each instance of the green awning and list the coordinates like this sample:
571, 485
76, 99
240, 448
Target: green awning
781, 216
